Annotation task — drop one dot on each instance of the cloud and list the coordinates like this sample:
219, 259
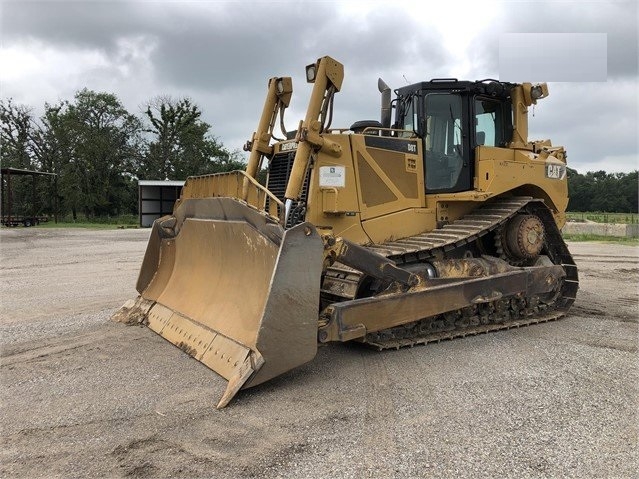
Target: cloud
618, 19
67, 24
222, 53
38, 72
596, 122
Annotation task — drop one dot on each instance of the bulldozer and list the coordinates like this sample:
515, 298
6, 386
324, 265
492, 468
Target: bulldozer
439, 223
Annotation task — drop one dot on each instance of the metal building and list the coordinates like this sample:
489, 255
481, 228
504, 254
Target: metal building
156, 199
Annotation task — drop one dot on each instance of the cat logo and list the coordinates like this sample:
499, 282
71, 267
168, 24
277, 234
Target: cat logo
556, 172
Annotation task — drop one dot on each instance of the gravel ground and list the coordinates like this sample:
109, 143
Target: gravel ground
82, 396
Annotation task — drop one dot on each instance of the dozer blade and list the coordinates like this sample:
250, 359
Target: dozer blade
229, 286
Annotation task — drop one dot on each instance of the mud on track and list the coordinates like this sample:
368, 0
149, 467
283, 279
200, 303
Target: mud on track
81, 396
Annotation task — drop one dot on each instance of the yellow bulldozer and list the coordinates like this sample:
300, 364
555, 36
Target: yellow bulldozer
442, 224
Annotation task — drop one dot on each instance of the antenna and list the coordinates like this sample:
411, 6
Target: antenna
406, 79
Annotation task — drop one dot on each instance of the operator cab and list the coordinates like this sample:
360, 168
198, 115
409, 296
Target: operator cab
452, 118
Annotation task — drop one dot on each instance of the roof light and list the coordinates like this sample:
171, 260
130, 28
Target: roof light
311, 72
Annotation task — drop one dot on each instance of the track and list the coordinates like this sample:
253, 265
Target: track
342, 283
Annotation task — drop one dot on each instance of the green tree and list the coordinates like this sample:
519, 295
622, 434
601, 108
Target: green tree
631, 190
181, 144
15, 135
601, 191
578, 190
19, 148
101, 142
55, 143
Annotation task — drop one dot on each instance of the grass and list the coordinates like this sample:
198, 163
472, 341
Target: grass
603, 239
122, 221
80, 224
598, 217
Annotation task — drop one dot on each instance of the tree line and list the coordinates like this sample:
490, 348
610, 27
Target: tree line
605, 192
99, 150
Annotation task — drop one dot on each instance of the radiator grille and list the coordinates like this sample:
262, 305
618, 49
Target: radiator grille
279, 171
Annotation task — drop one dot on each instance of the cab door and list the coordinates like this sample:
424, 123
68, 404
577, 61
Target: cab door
447, 164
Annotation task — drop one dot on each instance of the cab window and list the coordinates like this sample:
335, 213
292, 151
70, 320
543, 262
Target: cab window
410, 123
443, 140
488, 123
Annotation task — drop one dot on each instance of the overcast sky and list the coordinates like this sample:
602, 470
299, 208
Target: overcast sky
221, 54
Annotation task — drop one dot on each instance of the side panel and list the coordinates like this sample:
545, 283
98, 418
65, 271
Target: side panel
332, 200
390, 174
507, 171
380, 194
400, 224
501, 170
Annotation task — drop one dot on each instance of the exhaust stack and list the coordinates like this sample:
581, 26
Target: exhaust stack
385, 90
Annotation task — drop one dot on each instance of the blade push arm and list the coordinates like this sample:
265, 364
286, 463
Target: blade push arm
327, 75
280, 90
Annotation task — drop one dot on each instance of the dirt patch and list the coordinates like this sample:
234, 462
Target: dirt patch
85, 396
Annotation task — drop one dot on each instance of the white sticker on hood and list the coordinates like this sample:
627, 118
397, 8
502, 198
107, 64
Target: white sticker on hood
332, 176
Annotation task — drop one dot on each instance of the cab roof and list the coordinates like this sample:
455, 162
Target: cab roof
488, 87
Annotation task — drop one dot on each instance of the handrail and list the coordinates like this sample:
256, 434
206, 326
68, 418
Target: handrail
397, 131
231, 184
375, 128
